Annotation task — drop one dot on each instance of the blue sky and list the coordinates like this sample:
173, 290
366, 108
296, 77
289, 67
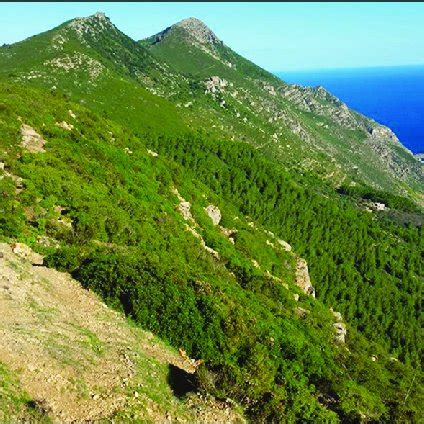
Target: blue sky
276, 36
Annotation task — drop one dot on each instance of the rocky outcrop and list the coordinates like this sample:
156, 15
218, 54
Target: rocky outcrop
270, 89
197, 34
303, 280
215, 84
64, 125
339, 327
319, 101
92, 26
198, 31
31, 140
284, 245
25, 252
379, 138
214, 214
184, 209
77, 61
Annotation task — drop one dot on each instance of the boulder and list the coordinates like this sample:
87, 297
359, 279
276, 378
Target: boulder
303, 280
214, 214
31, 140
340, 330
27, 253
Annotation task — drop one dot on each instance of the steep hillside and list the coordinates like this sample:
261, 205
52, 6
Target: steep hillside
304, 127
73, 359
181, 259
91, 61
185, 77
363, 263
178, 181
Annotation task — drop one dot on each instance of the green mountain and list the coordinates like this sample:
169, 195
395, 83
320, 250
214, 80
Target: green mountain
90, 60
302, 305
305, 127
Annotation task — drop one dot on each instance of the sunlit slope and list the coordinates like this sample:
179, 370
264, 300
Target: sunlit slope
307, 128
175, 254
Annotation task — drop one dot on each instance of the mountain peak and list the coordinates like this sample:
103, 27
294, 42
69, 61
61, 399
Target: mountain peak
91, 24
99, 15
193, 29
198, 30
96, 17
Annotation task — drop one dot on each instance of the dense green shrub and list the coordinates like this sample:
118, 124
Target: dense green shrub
128, 243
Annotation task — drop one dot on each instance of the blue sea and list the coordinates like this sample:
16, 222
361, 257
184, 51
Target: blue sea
393, 96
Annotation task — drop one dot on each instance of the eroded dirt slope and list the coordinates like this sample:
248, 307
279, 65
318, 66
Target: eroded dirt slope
79, 360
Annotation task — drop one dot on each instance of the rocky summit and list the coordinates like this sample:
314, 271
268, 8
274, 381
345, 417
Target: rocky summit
184, 237
197, 30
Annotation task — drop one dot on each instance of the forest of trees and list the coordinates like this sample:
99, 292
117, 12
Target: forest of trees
369, 269
127, 242
390, 200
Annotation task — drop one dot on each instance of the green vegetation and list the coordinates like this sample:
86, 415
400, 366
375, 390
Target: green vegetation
160, 88
368, 269
103, 207
128, 243
391, 200
306, 129
15, 404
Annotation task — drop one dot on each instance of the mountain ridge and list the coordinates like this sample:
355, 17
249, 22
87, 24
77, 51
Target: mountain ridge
381, 140
185, 192
194, 28
283, 112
